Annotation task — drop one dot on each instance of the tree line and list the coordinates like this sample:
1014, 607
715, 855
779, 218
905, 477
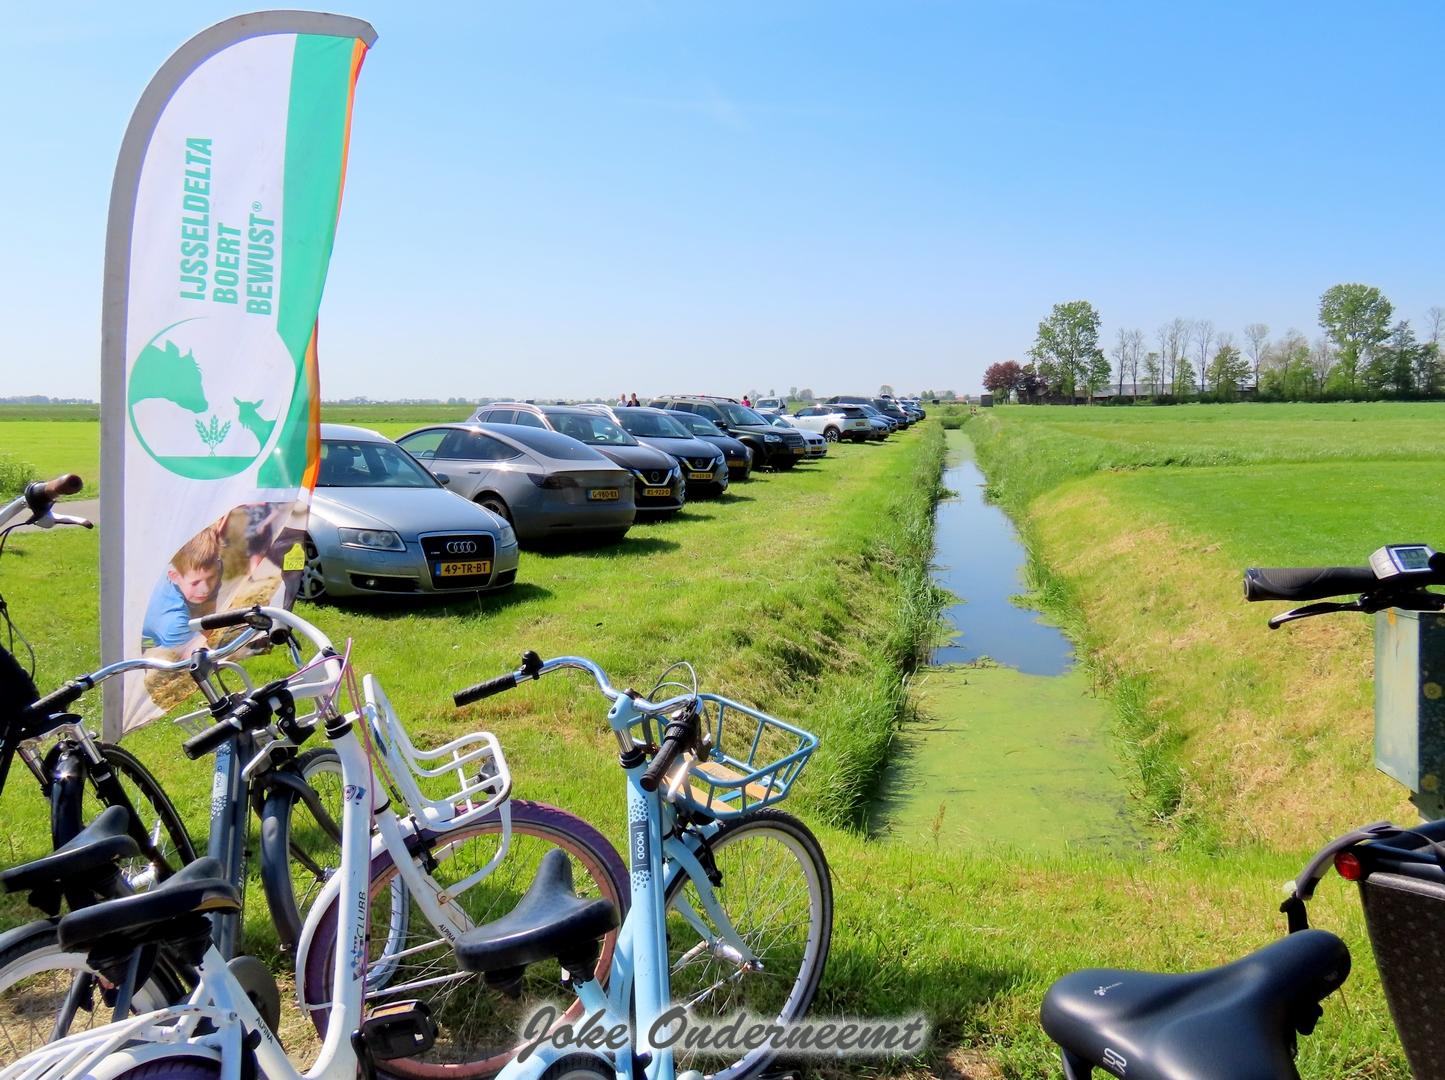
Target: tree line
1362, 352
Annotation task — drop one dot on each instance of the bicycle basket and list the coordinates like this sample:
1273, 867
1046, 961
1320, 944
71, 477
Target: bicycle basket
754, 760
481, 779
1405, 917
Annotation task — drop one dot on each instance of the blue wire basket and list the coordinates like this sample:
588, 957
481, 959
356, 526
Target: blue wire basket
753, 762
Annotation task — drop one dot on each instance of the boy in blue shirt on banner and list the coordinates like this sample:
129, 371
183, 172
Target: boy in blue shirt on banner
187, 591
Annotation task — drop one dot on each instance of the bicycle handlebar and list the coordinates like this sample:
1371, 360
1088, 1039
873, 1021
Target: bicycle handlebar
1308, 583
41, 495
534, 667
58, 700
251, 713
680, 734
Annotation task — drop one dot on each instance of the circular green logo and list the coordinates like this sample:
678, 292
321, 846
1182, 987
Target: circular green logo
198, 397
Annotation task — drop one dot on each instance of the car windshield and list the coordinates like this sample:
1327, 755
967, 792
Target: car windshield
591, 428
655, 425
738, 415
698, 425
781, 421
869, 410
358, 463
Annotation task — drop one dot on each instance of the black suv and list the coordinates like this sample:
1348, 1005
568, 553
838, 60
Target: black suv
775, 448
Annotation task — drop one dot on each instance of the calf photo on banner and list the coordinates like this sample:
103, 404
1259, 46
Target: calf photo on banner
222, 216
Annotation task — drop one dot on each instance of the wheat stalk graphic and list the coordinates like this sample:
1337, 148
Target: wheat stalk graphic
214, 435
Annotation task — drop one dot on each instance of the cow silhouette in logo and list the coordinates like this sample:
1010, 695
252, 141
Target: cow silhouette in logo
168, 374
254, 422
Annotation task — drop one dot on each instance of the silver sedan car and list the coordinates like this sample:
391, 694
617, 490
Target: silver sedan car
382, 524
548, 485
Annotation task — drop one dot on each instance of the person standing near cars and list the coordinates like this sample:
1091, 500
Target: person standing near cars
621, 399
746, 403
634, 402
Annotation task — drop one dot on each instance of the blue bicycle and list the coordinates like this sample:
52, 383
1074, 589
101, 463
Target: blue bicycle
732, 900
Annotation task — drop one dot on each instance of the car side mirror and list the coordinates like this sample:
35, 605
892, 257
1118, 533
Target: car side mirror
442, 478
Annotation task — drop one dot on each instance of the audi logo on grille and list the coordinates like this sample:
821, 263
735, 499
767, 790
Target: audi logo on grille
461, 547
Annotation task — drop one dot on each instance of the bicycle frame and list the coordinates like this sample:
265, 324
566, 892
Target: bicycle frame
639, 984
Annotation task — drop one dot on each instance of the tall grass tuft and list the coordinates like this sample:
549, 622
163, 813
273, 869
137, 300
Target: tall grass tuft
866, 711
14, 475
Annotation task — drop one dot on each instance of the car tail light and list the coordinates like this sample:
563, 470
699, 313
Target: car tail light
552, 482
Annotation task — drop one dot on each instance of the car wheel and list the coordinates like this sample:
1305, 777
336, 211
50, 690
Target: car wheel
313, 583
496, 505
831, 434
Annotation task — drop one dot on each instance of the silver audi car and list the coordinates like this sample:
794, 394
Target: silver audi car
548, 485
382, 524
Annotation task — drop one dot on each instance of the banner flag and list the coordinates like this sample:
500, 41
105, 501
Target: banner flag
222, 216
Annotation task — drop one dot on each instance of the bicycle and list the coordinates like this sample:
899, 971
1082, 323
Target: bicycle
710, 791
1243, 1019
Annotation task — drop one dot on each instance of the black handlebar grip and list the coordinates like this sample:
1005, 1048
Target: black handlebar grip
57, 700
666, 755
198, 746
236, 617
484, 689
1296, 584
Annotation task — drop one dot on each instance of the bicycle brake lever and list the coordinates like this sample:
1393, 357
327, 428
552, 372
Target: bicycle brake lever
1311, 610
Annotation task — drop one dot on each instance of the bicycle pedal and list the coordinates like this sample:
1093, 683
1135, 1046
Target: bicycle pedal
401, 1029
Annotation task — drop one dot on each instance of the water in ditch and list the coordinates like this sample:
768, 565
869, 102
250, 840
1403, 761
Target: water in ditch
1009, 744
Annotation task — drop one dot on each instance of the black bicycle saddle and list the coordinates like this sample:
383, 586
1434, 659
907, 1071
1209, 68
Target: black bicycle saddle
87, 862
1236, 1022
549, 921
173, 910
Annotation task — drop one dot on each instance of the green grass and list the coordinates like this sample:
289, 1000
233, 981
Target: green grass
807, 594
1030, 448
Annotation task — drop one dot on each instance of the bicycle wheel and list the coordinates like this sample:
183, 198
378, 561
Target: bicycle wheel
36, 976
174, 1067
158, 815
477, 1028
299, 852
777, 892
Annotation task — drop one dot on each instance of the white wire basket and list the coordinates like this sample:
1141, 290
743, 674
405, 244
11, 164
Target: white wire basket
469, 772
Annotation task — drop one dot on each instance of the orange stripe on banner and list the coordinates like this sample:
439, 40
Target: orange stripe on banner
313, 427
358, 54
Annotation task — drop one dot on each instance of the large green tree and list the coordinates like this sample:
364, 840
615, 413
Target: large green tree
1067, 350
1357, 320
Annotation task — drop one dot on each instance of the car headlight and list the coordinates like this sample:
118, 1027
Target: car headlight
376, 539
506, 535
772, 438
719, 461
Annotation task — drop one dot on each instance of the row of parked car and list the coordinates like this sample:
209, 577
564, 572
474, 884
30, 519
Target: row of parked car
386, 519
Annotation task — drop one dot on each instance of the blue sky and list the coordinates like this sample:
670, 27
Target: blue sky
549, 199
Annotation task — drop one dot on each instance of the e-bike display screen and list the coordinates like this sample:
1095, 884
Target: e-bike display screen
1394, 561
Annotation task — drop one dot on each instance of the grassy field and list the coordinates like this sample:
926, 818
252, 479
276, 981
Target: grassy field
805, 593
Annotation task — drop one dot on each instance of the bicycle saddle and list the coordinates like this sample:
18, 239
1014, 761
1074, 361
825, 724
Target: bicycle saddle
1235, 1022
87, 864
549, 921
173, 911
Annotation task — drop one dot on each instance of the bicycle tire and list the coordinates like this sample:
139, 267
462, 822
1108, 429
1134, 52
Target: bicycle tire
723, 995
179, 1066
36, 974
158, 816
282, 845
535, 826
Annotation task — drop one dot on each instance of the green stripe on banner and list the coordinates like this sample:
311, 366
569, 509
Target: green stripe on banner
315, 148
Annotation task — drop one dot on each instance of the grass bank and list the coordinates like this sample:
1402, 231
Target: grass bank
1140, 522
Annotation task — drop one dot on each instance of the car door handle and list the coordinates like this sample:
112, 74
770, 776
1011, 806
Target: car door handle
474, 472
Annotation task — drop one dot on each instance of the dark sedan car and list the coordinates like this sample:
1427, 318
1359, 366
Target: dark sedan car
659, 486
772, 449
739, 457
704, 465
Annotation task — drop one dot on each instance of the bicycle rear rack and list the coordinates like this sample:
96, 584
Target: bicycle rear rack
482, 780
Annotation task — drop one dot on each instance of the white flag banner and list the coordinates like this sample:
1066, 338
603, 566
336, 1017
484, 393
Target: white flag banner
222, 216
